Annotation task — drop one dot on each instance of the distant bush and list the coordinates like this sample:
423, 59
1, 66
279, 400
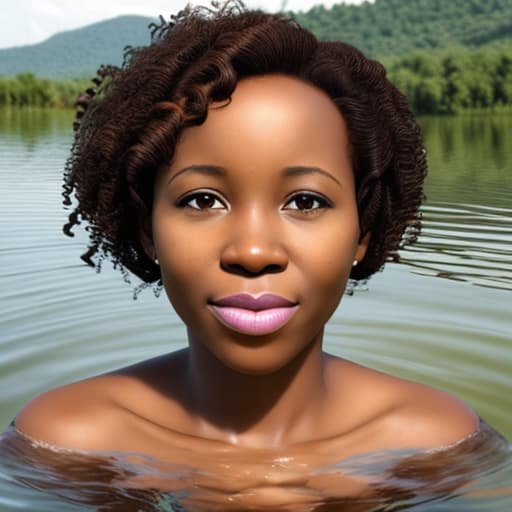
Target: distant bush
26, 90
454, 80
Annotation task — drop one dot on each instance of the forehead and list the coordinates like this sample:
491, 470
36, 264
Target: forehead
261, 98
269, 118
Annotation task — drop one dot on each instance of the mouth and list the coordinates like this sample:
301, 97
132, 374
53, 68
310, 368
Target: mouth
255, 316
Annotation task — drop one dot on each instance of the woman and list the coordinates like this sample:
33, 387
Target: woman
252, 170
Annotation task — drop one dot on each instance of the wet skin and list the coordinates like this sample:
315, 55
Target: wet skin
260, 198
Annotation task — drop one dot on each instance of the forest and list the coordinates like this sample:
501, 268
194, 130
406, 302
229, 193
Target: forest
447, 57
395, 27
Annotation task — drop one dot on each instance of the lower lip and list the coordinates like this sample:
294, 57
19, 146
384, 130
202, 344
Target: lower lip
256, 323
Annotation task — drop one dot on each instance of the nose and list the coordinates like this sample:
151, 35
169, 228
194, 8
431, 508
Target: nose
254, 248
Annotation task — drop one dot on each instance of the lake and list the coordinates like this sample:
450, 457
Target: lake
442, 316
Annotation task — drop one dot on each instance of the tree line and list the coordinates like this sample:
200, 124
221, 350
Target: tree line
448, 81
456, 80
27, 90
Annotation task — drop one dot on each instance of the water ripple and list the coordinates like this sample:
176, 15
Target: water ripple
464, 242
60, 322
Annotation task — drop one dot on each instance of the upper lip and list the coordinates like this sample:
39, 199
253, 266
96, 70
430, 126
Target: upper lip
246, 301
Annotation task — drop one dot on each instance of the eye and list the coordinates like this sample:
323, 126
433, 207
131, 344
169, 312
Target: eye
201, 201
307, 202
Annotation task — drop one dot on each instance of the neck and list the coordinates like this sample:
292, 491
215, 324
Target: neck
269, 410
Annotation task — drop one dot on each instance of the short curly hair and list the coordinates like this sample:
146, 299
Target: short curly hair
129, 123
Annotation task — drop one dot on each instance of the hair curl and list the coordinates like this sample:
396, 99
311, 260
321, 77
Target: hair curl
128, 125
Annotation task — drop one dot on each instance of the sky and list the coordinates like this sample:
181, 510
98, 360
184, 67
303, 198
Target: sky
25, 22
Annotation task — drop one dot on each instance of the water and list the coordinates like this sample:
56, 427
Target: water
442, 318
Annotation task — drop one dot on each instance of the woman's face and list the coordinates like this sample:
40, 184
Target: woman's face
259, 200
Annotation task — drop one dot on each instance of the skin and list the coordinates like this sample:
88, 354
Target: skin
254, 227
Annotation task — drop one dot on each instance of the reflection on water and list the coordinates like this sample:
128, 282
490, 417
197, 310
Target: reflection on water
475, 472
469, 159
60, 322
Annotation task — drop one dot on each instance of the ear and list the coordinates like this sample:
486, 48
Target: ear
362, 247
146, 237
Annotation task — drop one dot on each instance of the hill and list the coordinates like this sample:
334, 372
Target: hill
77, 53
395, 27
383, 29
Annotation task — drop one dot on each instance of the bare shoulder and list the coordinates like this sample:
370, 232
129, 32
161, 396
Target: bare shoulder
388, 412
78, 416
427, 418
90, 414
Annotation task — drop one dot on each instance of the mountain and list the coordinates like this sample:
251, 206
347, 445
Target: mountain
381, 29
78, 53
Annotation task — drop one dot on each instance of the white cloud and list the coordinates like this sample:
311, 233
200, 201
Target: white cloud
30, 21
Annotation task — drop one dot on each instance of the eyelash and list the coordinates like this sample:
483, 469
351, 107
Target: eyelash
322, 202
184, 202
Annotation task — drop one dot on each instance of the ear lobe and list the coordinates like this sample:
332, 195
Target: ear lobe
362, 247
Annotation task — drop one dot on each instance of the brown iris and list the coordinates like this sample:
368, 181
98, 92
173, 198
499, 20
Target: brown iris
205, 200
304, 201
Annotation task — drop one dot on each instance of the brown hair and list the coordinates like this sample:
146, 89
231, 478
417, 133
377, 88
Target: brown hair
129, 124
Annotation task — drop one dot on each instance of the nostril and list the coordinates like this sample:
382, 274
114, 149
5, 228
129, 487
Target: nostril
274, 269
235, 268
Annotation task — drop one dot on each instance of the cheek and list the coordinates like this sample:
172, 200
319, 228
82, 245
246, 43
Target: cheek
329, 262
330, 279
179, 249
330, 255
180, 261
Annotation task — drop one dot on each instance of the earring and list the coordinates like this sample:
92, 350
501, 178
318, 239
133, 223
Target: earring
354, 263
156, 261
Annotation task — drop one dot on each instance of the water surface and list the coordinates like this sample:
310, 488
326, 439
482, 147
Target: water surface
442, 317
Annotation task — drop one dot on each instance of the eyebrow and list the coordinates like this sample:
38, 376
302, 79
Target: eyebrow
209, 170
215, 170
298, 170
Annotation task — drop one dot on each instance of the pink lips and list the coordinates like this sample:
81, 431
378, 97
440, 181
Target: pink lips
256, 316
